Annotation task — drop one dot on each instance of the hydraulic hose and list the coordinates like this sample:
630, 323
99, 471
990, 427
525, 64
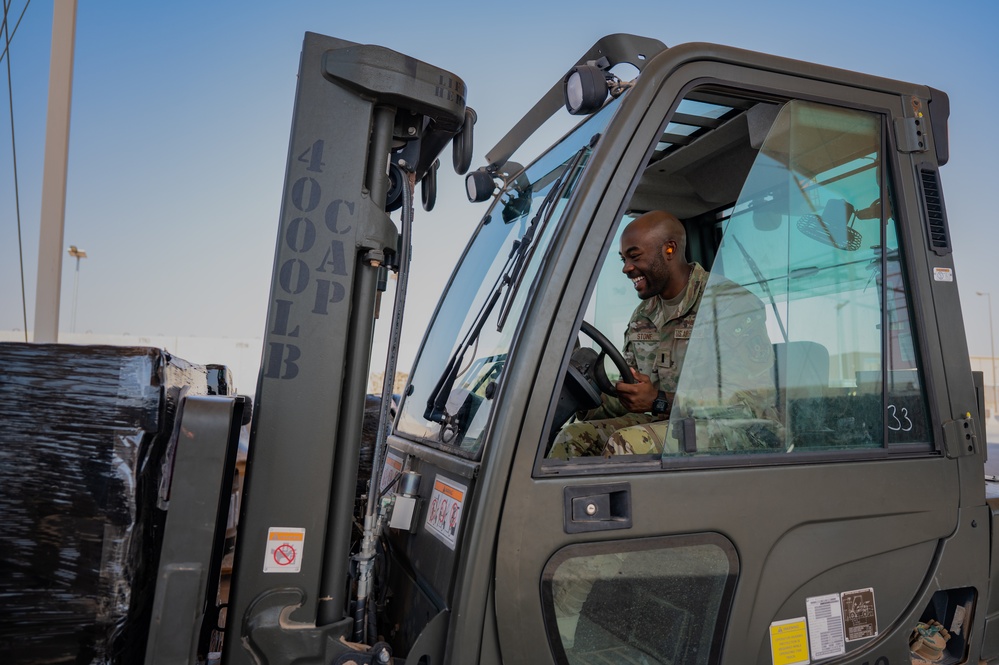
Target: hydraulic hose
372, 523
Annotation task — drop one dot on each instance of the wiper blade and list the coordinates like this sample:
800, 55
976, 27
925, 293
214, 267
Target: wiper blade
438, 397
509, 280
536, 230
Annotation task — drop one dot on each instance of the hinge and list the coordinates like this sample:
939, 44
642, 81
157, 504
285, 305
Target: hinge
910, 135
960, 437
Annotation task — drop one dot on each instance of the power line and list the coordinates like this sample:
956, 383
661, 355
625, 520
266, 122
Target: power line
14, 31
13, 148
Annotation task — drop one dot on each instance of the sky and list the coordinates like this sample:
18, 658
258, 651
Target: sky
181, 113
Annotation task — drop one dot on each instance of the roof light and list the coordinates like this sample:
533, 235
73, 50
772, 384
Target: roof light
479, 185
585, 89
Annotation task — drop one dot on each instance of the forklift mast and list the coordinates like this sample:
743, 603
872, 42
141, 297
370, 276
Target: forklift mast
366, 119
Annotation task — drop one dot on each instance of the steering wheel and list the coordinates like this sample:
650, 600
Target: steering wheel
585, 379
607, 349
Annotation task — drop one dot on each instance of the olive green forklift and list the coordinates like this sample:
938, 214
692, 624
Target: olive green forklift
850, 524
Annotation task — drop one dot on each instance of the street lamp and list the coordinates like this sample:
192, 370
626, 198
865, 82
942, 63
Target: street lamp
78, 254
992, 340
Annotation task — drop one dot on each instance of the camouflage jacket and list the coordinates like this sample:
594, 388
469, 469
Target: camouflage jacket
656, 340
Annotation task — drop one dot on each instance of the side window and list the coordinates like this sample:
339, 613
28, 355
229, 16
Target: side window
794, 331
789, 350
661, 600
905, 408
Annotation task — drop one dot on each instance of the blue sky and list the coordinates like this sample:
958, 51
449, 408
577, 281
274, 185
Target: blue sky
181, 114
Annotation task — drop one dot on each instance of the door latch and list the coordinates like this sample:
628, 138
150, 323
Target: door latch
597, 507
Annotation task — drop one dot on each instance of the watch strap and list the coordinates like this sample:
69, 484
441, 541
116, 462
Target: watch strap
661, 404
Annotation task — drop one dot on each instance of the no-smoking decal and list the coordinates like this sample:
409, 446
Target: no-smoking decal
283, 553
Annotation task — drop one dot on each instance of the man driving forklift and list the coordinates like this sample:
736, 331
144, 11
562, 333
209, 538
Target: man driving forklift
635, 421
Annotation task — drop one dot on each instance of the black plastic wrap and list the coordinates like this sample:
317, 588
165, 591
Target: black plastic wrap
85, 437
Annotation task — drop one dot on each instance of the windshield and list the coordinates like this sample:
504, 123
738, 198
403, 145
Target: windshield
456, 374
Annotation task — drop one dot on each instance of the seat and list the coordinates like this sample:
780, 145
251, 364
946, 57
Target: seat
801, 369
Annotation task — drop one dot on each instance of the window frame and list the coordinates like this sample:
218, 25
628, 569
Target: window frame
893, 163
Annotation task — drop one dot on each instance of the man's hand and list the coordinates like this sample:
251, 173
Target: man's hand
637, 397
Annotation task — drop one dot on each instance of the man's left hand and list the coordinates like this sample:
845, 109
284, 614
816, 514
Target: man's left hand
637, 397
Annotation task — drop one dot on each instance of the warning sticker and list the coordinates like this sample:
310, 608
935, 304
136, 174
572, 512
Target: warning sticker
825, 626
789, 642
943, 275
860, 617
444, 514
283, 553
391, 470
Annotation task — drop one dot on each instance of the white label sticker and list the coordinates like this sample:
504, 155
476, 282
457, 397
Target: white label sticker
444, 514
958, 623
825, 626
943, 275
283, 553
391, 470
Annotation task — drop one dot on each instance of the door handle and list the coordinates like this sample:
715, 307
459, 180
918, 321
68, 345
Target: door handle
597, 507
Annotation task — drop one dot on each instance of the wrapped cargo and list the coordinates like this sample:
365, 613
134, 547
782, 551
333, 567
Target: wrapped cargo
86, 438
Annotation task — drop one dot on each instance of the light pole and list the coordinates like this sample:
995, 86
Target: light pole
992, 340
78, 254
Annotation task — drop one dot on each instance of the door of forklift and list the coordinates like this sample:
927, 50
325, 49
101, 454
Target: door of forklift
815, 491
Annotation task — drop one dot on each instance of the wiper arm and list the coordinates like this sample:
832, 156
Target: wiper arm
510, 274
543, 215
509, 279
438, 397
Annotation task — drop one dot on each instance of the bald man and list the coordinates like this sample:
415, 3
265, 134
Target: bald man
653, 251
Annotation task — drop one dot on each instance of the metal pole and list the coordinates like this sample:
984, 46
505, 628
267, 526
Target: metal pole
992, 341
54, 172
74, 251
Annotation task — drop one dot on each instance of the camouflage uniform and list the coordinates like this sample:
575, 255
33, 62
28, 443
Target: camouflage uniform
726, 396
655, 344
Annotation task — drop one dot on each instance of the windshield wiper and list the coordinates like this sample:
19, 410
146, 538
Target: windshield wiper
544, 214
509, 279
438, 397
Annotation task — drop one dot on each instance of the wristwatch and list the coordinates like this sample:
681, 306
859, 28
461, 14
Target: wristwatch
660, 405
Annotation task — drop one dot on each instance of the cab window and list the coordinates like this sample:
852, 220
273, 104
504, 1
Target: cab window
657, 600
449, 397
800, 340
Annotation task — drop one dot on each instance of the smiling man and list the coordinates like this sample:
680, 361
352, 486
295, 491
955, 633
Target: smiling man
652, 249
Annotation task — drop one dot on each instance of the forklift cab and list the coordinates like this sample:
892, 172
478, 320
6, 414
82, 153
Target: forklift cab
827, 524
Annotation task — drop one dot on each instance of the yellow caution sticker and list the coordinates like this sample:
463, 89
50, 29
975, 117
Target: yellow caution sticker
789, 642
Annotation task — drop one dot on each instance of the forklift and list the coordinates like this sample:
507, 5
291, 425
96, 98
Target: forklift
850, 524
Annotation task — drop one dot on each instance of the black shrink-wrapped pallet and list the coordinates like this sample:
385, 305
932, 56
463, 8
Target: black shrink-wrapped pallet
85, 449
